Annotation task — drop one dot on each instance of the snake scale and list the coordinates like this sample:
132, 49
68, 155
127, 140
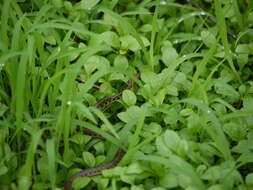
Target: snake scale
120, 153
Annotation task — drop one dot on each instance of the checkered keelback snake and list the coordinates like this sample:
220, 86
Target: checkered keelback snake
120, 153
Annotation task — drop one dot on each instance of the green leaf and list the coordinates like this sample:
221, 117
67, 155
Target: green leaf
159, 97
121, 63
89, 159
169, 53
249, 179
3, 169
128, 42
81, 182
235, 131
247, 103
129, 97
242, 146
208, 38
134, 168
171, 140
172, 90
88, 4
225, 89
132, 113
169, 181
110, 38
3, 109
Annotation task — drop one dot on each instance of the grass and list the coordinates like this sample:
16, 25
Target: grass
185, 124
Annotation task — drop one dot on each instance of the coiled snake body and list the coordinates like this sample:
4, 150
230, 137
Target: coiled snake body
120, 153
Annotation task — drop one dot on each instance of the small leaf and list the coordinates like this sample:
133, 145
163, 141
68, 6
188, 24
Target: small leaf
235, 131
213, 173
88, 4
134, 187
121, 62
3, 169
3, 109
169, 181
186, 112
216, 187
89, 159
225, 89
171, 139
132, 113
134, 168
248, 103
249, 179
148, 76
169, 53
208, 38
81, 182
158, 99
128, 42
172, 90
129, 97
110, 38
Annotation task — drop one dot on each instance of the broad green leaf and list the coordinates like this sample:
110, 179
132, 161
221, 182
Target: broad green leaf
172, 90
132, 113
186, 112
121, 62
159, 97
225, 89
216, 187
134, 168
169, 53
208, 38
134, 187
3, 169
88, 4
129, 97
148, 76
169, 180
249, 179
80, 183
235, 131
242, 146
171, 139
89, 159
3, 109
110, 38
248, 103
128, 42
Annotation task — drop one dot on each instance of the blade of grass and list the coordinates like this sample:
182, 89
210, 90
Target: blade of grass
155, 29
200, 69
19, 96
4, 23
51, 157
238, 14
223, 34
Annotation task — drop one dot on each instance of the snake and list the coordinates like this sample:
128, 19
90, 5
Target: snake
120, 153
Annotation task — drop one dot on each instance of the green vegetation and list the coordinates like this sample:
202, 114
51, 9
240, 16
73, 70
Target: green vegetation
186, 124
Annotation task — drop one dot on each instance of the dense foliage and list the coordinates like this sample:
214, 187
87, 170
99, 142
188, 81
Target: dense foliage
186, 124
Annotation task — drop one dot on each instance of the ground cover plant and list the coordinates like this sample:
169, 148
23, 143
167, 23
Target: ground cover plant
187, 123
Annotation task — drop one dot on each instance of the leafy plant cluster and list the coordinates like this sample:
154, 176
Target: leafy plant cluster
187, 123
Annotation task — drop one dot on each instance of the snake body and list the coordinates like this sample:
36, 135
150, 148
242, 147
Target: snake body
96, 170
120, 153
